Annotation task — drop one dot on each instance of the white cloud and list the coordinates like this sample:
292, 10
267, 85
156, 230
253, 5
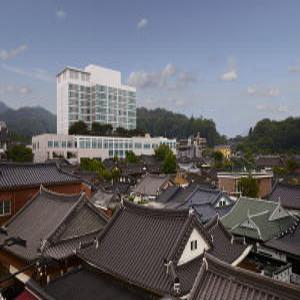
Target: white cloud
60, 14
273, 108
168, 78
229, 76
10, 54
13, 89
231, 73
263, 92
142, 23
36, 73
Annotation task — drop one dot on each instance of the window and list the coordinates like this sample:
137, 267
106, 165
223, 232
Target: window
50, 144
5, 207
194, 245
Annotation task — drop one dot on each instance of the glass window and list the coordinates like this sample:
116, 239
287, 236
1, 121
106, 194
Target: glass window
50, 144
5, 207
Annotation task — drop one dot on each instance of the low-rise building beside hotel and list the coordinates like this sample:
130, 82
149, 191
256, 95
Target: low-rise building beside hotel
47, 146
192, 147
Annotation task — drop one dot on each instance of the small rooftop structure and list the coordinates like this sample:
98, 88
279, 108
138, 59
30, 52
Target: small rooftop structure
219, 280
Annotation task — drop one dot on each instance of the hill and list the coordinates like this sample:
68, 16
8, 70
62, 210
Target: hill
28, 121
161, 122
3, 107
269, 136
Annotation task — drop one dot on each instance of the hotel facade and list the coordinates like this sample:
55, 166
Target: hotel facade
94, 94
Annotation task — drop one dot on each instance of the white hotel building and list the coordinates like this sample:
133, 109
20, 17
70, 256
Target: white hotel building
94, 94
48, 146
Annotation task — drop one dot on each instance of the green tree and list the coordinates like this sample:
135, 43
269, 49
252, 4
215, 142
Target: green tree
169, 165
92, 165
101, 129
161, 151
291, 165
20, 153
79, 128
131, 157
249, 187
218, 159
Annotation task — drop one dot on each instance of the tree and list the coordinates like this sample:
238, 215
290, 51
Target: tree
101, 129
218, 158
20, 153
161, 151
291, 165
249, 187
131, 157
92, 165
79, 128
169, 165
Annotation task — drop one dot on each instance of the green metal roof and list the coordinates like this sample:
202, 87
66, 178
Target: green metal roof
252, 218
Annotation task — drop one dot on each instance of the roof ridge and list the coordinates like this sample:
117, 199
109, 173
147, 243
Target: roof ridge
50, 192
141, 209
47, 239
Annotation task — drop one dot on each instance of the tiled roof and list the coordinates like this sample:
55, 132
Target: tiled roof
138, 242
105, 200
151, 184
219, 280
288, 242
16, 175
202, 199
53, 220
85, 283
269, 161
288, 195
252, 218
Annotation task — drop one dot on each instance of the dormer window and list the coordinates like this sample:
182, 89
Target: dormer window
193, 245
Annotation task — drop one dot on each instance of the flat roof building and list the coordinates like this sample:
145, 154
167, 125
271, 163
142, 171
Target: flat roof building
48, 146
94, 94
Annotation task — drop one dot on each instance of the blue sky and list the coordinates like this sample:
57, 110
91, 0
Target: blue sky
234, 61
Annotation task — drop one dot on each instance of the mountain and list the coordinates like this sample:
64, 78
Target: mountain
28, 121
3, 107
161, 122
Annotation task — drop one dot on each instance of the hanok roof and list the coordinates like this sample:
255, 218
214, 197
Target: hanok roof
105, 200
269, 161
219, 280
85, 283
289, 241
53, 225
257, 219
204, 200
139, 243
288, 195
16, 175
151, 184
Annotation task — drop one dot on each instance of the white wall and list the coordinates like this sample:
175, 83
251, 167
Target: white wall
187, 253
